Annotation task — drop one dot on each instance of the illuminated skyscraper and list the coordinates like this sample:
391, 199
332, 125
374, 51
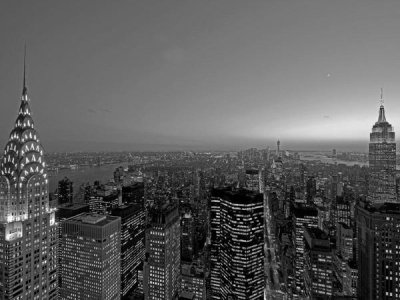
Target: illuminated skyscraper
378, 238
163, 260
91, 257
215, 239
303, 217
318, 274
132, 244
241, 245
28, 231
382, 161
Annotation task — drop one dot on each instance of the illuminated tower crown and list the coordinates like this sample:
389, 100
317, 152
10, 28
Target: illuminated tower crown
22, 167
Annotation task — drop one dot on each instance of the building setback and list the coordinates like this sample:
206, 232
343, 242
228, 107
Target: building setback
91, 257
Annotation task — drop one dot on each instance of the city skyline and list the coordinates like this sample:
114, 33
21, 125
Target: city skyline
217, 77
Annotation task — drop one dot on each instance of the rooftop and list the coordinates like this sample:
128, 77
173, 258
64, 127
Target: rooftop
93, 219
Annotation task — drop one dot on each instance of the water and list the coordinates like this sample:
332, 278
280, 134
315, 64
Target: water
329, 160
84, 174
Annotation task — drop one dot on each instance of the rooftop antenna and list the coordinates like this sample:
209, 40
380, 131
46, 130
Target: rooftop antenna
382, 101
24, 88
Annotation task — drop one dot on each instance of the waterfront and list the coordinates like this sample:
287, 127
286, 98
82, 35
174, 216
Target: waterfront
82, 175
329, 160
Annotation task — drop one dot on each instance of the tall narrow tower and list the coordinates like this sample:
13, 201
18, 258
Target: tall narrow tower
382, 161
278, 148
28, 232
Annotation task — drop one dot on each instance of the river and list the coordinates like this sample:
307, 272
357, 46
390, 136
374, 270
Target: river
83, 175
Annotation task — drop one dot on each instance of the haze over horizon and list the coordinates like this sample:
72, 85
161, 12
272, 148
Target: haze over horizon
194, 75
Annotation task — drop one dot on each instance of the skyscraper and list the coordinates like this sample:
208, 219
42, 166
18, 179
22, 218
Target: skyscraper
132, 244
28, 231
303, 217
382, 161
215, 240
378, 238
91, 257
241, 244
65, 191
318, 274
162, 263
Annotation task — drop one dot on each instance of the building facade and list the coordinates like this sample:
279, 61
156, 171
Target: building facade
378, 237
91, 257
382, 161
318, 258
28, 231
303, 217
132, 244
241, 244
162, 263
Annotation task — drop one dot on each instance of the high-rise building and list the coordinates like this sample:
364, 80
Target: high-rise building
241, 244
162, 263
341, 211
187, 235
91, 257
66, 211
28, 231
382, 161
132, 244
303, 217
318, 273
65, 191
378, 238
215, 242
193, 281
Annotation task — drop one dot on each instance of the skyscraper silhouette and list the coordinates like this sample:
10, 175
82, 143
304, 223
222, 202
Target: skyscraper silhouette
28, 231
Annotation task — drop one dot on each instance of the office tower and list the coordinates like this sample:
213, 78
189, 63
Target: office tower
252, 180
343, 264
378, 239
193, 280
303, 217
344, 241
65, 191
382, 161
187, 235
311, 189
341, 211
91, 257
241, 244
162, 262
119, 175
318, 274
63, 212
132, 244
28, 231
215, 242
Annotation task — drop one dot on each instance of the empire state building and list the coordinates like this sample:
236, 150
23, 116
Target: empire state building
382, 161
28, 232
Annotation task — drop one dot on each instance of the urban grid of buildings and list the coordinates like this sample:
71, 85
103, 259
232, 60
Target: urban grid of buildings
257, 224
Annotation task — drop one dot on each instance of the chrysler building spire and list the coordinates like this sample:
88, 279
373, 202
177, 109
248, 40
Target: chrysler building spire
24, 88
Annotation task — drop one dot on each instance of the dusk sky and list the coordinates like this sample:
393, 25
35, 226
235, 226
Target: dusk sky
195, 75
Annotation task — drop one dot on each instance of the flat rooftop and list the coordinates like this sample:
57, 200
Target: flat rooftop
93, 219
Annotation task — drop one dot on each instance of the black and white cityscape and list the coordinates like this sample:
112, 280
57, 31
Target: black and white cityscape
199, 150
